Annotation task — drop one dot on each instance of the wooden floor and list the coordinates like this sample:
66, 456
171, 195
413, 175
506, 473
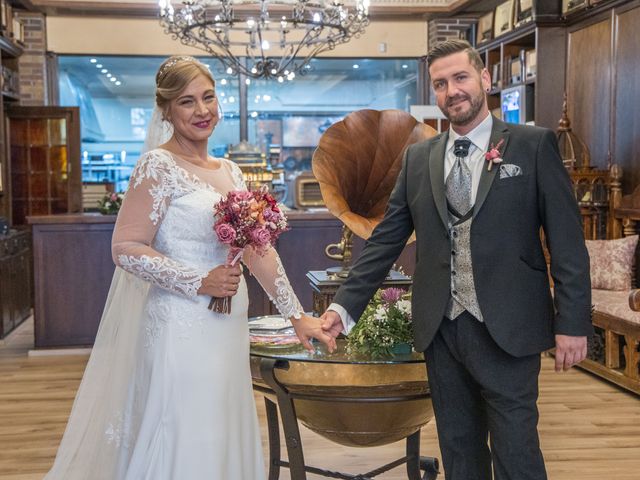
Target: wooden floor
589, 429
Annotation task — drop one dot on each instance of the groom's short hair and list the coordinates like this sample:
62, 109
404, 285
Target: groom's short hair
449, 47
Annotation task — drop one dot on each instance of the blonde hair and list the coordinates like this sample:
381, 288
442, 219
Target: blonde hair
174, 75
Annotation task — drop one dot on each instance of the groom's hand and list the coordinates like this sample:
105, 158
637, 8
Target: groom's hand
569, 351
307, 328
332, 323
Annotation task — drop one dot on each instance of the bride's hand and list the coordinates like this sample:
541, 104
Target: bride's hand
222, 281
307, 327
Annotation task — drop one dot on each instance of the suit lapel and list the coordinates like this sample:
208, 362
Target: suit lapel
436, 174
499, 131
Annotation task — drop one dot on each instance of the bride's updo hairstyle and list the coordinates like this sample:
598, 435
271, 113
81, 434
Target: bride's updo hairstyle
174, 75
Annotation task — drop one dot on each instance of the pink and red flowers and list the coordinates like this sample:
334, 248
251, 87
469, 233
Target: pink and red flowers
246, 218
494, 155
249, 218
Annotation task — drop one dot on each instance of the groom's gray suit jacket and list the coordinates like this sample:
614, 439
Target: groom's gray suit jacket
509, 267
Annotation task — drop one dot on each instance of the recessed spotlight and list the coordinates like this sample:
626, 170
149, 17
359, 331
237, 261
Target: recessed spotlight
98, 65
93, 60
247, 81
223, 81
118, 82
109, 75
104, 70
356, 66
229, 71
112, 79
405, 66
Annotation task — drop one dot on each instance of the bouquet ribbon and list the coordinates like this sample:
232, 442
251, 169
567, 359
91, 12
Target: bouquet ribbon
223, 304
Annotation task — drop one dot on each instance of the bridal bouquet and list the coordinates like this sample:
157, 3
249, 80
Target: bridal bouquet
246, 218
385, 326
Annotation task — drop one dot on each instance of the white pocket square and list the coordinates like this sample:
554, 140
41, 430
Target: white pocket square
509, 170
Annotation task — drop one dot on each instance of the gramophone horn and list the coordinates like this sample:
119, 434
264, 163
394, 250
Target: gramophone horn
358, 160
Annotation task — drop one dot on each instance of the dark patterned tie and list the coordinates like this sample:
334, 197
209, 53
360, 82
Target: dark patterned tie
458, 183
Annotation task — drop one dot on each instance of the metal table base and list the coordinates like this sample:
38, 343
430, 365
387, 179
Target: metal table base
418, 467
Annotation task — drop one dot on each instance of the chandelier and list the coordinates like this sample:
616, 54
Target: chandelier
264, 38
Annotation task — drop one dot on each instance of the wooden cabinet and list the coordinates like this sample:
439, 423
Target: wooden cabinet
45, 165
15, 280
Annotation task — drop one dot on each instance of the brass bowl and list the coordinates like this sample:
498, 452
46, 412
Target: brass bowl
387, 401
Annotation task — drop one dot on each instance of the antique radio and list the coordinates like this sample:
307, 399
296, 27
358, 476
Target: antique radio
530, 64
524, 12
569, 6
485, 26
503, 18
307, 192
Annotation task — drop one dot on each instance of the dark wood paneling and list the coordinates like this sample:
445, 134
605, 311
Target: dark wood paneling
627, 98
589, 87
73, 271
551, 53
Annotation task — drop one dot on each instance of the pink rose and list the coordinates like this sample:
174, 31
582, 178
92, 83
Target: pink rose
242, 195
225, 232
261, 236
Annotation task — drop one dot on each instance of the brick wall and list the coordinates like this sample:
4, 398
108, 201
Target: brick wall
448, 28
32, 63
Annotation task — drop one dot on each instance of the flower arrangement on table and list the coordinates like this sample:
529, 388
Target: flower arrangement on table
110, 204
246, 218
384, 326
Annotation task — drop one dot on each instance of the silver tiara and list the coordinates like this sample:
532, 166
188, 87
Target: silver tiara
170, 64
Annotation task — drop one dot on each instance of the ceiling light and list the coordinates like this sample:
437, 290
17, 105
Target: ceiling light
305, 29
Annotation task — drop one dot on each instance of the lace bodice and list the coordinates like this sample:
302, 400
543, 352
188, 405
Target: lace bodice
164, 231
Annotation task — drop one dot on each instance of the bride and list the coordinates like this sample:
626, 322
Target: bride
167, 392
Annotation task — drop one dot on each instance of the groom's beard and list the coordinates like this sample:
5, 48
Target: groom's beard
465, 117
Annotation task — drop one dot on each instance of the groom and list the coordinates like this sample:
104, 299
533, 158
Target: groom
477, 197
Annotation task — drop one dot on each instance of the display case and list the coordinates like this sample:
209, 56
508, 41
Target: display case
45, 171
15, 280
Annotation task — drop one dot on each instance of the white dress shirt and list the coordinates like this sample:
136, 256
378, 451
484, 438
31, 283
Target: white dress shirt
479, 137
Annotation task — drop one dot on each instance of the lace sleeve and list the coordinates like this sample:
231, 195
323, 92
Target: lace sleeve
154, 182
270, 273
238, 179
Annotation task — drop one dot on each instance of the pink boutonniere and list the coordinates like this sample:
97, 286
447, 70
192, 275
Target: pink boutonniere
494, 155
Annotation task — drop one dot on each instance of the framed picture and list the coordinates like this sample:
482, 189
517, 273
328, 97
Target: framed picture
485, 28
496, 80
503, 18
571, 5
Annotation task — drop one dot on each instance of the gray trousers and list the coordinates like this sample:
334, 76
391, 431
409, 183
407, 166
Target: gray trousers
484, 401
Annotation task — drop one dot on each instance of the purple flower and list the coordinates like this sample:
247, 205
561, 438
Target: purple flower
390, 295
225, 232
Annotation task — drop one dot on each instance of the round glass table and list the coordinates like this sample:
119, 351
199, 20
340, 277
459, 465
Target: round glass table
349, 399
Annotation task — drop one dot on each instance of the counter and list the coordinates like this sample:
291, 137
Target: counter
73, 270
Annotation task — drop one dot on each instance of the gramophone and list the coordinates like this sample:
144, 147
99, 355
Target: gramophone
356, 164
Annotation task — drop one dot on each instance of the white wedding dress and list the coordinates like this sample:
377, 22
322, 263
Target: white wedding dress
167, 392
